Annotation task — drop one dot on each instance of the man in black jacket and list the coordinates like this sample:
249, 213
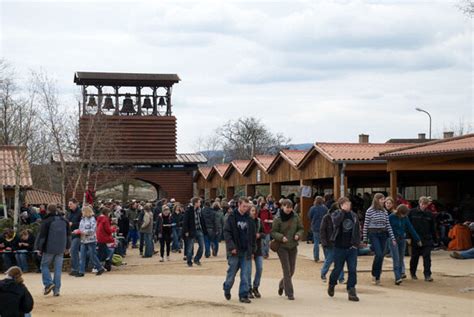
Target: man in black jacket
210, 239
240, 241
423, 221
194, 228
74, 218
52, 242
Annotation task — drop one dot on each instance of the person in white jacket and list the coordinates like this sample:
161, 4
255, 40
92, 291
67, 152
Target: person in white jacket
87, 228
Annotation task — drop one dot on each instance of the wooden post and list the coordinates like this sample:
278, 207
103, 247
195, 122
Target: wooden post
250, 190
337, 186
346, 188
393, 184
84, 100
213, 193
117, 105
229, 193
305, 205
155, 108
99, 99
275, 191
139, 101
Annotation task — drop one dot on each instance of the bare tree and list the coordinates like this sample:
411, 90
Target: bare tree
467, 7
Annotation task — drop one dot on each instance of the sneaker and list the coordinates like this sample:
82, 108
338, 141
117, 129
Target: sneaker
167, 258
56, 294
245, 300
331, 290
251, 295
404, 276
108, 266
428, 279
343, 281
324, 279
73, 273
280, 291
94, 270
162, 260
398, 282
190, 264
185, 258
456, 255
353, 295
256, 292
227, 296
377, 282
48, 289
414, 277
79, 275
99, 272
291, 297
316, 260
198, 263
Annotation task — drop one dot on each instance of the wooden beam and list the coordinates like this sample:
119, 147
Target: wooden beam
305, 205
393, 184
336, 186
275, 191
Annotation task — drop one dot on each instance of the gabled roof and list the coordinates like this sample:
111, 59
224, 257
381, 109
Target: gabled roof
12, 160
263, 161
220, 169
458, 145
336, 152
125, 79
293, 157
203, 171
347, 152
238, 165
41, 197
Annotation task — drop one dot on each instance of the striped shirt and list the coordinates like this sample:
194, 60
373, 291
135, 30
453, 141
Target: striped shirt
377, 219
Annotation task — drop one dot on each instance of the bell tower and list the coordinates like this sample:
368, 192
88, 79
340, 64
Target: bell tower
127, 129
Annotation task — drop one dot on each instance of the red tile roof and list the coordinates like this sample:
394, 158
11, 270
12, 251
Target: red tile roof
293, 157
354, 151
240, 165
221, 168
264, 160
457, 145
205, 170
13, 159
42, 197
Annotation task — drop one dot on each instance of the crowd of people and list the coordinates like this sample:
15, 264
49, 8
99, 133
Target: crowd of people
93, 235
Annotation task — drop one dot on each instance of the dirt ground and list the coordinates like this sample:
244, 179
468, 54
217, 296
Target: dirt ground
146, 287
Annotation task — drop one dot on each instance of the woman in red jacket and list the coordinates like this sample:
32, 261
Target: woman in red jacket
105, 241
266, 218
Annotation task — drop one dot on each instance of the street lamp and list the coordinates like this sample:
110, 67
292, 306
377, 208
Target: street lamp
421, 110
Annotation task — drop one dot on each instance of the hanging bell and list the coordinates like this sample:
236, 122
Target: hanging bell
147, 103
108, 103
128, 105
162, 101
91, 102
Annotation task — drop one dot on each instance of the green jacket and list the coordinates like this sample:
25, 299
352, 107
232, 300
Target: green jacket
279, 227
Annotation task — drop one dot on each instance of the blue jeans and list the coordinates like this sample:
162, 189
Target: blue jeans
8, 259
211, 242
133, 236
21, 257
342, 256
258, 260
57, 260
398, 254
177, 243
199, 237
328, 260
468, 254
378, 240
148, 241
74, 252
235, 263
89, 249
266, 244
316, 246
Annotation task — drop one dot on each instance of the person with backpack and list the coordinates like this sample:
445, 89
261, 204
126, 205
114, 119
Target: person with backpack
164, 232
194, 229
346, 239
54, 239
87, 230
15, 298
257, 256
325, 233
287, 230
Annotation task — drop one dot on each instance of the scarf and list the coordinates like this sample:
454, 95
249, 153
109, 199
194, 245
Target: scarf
285, 217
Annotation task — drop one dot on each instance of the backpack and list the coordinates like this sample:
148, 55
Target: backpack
117, 260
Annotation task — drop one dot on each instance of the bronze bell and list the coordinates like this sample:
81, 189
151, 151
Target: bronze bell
162, 101
92, 102
147, 103
128, 105
108, 103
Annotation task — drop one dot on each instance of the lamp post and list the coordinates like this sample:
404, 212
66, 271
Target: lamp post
421, 110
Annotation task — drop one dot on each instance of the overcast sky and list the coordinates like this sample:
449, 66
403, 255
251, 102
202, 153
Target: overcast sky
313, 70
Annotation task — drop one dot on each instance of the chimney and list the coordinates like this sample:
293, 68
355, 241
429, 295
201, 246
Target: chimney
448, 134
363, 138
422, 136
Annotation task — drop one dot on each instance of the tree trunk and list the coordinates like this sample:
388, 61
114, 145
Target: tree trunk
16, 210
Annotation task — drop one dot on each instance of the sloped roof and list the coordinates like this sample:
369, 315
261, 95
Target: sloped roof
457, 145
238, 165
181, 158
205, 170
264, 161
125, 79
38, 197
293, 157
12, 159
354, 151
221, 168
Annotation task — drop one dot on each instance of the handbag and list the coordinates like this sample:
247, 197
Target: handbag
274, 244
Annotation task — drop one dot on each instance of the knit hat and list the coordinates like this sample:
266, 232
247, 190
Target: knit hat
15, 273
